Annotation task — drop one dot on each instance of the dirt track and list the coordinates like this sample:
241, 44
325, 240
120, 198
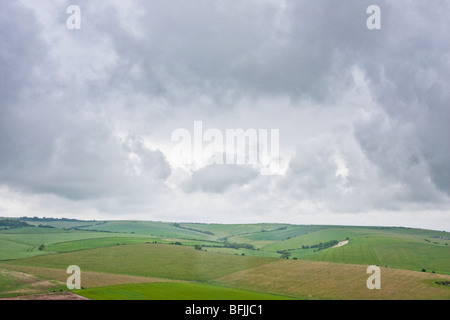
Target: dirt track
341, 244
50, 296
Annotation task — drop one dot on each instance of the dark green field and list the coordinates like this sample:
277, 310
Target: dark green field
245, 262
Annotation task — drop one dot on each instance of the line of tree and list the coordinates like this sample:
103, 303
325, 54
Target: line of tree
277, 229
52, 219
192, 229
45, 226
285, 254
12, 223
321, 245
325, 245
239, 246
211, 246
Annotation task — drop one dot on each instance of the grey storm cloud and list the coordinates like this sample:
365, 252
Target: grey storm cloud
218, 178
48, 143
82, 112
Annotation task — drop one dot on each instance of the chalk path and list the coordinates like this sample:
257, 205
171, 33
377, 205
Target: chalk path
341, 244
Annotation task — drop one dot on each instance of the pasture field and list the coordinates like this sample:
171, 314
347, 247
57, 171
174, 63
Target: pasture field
159, 260
283, 234
174, 291
244, 252
16, 250
84, 244
282, 278
61, 224
384, 252
324, 280
14, 283
90, 279
152, 260
26, 242
370, 246
147, 228
229, 230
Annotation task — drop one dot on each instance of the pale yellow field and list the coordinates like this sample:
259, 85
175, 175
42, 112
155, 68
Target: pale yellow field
322, 280
88, 279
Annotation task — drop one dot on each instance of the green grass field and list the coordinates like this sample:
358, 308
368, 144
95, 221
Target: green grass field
244, 252
25, 242
368, 246
153, 260
159, 229
10, 249
174, 291
84, 244
115, 252
65, 224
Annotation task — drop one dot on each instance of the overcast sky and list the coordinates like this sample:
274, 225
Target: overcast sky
87, 116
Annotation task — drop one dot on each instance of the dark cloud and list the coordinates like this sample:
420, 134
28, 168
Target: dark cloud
49, 141
83, 113
218, 178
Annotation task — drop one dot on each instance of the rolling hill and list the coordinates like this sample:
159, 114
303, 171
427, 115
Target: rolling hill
296, 261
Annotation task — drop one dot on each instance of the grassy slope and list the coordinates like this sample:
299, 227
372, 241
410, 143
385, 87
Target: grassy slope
157, 260
25, 242
10, 249
321, 280
65, 224
291, 231
395, 247
314, 237
148, 228
245, 252
84, 244
229, 230
301, 279
399, 248
14, 283
174, 291
89, 279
